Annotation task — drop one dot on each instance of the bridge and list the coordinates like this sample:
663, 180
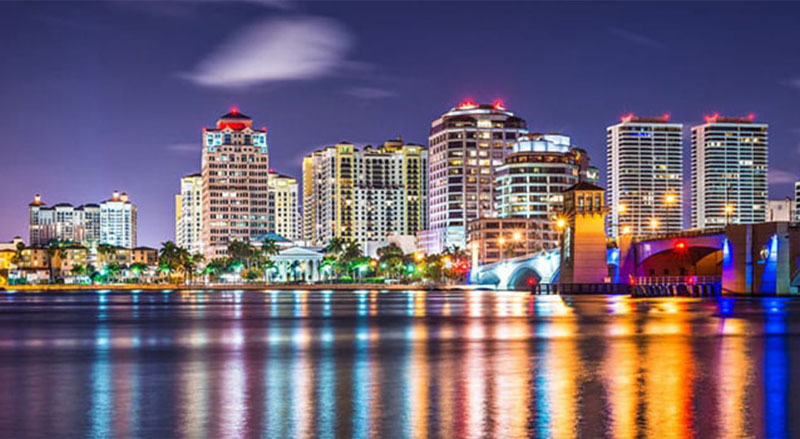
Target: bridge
738, 259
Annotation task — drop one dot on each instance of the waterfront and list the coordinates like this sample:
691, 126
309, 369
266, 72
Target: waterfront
395, 364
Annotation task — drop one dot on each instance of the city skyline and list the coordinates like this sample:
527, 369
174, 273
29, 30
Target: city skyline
92, 129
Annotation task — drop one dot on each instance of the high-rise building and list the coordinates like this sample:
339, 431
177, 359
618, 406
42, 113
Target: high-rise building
729, 172
235, 193
189, 214
64, 222
645, 176
797, 201
530, 186
467, 146
364, 196
118, 221
284, 213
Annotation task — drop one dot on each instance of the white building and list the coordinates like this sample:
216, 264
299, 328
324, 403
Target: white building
364, 196
781, 210
64, 222
645, 176
797, 201
284, 210
118, 221
466, 146
189, 214
729, 172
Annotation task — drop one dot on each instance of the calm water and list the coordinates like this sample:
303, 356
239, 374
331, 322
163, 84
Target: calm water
396, 364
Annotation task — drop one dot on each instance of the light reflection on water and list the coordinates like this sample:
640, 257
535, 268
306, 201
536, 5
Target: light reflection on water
411, 364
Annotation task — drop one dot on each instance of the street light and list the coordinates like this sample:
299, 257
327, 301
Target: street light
561, 223
728, 213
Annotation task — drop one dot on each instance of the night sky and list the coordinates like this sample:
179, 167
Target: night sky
102, 96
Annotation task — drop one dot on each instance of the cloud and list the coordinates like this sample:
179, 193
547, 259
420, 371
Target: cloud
794, 82
282, 49
370, 92
185, 147
777, 176
633, 37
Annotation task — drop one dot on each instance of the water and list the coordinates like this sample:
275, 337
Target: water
396, 364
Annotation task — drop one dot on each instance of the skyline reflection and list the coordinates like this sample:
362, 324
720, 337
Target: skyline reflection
411, 364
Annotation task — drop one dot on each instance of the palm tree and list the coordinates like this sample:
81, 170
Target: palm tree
54, 254
107, 253
335, 246
189, 263
138, 268
169, 258
78, 270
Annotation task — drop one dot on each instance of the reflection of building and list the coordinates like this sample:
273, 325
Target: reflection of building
467, 146
235, 183
118, 221
364, 195
111, 222
645, 176
729, 172
283, 205
780, 210
189, 214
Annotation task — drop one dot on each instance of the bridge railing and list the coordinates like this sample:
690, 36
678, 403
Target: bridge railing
600, 288
677, 280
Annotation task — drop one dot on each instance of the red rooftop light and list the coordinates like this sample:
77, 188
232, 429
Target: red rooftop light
712, 118
235, 109
499, 105
680, 246
751, 117
467, 103
666, 116
627, 117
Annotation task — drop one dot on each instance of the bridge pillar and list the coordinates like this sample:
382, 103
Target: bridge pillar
583, 243
756, 259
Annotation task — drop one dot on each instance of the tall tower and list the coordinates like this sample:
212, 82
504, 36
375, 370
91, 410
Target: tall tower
283, 204
189, 214
118, 222
645, 176
364, 195
466, 146
235, 173
729, 172
584, 217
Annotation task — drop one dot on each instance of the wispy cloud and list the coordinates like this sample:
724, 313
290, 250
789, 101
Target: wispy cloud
794, 82
777, 176
276, 50
185, 147
637, 38
370, 92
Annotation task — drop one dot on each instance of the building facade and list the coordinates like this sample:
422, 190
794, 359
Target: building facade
111, 222
729, 172
364, 196
235, 175
284, 213
189, 214
530, 196
781, 210
118, 222
467, 146
645, 176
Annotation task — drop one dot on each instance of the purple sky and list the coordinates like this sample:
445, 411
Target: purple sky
102, 96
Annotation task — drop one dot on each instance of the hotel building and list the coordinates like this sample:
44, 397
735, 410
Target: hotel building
189, 214
235, 175
645, 176
467, 146
284, 210
729, 172
530, 186
364, 196
110, 222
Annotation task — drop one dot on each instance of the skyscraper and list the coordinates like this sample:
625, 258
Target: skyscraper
467, 145
284, 213
235, 193
189, 214
118, 221
645, 176
364, 196
729, 171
